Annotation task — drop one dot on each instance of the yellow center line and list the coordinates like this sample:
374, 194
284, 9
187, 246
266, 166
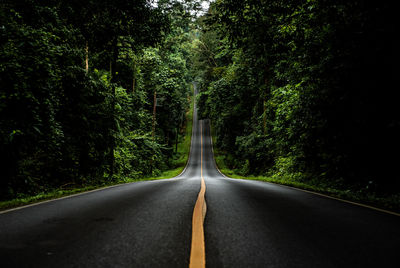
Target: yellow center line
197, 252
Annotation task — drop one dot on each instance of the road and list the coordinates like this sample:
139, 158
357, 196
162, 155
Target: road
247, 224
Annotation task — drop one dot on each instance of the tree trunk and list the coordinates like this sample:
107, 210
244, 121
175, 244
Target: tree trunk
87, 57
134, 78
265, 102
153, 132
176, 139
264, 117
113, 71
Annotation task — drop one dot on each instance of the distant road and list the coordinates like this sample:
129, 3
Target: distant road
247, 224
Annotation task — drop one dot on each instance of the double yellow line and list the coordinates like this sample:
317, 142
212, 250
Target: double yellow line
197, 252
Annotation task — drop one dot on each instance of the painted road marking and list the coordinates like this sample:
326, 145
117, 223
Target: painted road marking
197, 252
63, 197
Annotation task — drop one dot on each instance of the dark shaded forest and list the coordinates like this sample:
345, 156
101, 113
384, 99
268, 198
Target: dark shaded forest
303, 90
97, 91
91, 91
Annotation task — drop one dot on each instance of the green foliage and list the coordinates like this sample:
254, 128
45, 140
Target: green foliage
179, 162
63, 125
302, 89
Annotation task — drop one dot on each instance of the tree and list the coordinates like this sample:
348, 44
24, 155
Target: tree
64, 123
298, 94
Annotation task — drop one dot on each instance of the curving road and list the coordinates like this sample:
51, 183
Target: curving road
248, 224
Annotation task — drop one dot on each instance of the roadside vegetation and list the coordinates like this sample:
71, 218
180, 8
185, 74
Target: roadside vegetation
303, 93
96, 93
389, 202
86, 103
179, 161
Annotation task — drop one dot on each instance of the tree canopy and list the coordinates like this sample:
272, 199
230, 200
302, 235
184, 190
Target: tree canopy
303, 89
97, 91
78, 80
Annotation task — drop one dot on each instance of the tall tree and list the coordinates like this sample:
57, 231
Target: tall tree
303, 86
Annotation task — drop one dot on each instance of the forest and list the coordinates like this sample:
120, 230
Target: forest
93, 92
303, 91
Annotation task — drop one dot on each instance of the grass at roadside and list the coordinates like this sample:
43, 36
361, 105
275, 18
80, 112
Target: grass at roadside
178, 163
388, 202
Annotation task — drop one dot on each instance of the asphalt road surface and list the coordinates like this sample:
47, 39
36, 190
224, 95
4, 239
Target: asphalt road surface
248, 224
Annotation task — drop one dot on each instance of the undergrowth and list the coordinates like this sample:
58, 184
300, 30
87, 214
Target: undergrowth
360, 195
178, 163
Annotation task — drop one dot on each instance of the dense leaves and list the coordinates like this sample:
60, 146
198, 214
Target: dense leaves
303, 89
77, 87
92, 91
